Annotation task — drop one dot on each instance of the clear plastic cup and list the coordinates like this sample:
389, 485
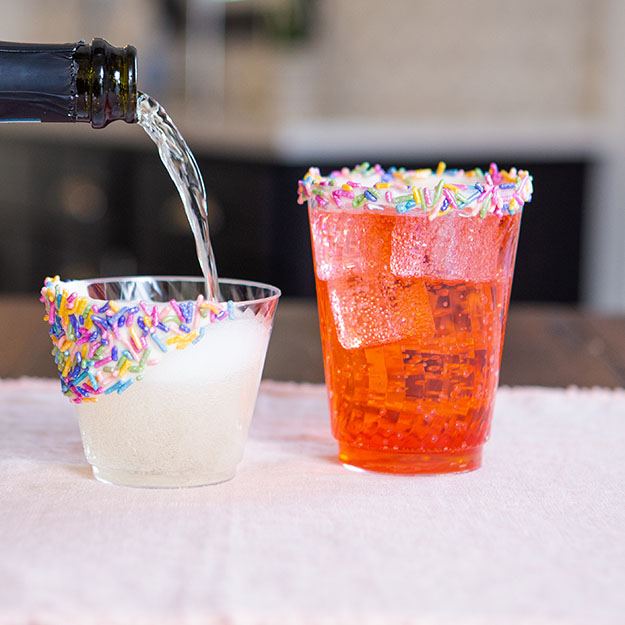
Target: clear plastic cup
413, 271
165, 382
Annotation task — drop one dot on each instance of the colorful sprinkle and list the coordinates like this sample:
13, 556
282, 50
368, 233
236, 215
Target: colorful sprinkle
159, 343
438, 192
103, 348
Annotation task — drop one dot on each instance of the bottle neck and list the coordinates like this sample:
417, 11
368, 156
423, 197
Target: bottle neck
95, 83
106, 83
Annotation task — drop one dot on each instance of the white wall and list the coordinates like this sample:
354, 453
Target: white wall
468, 58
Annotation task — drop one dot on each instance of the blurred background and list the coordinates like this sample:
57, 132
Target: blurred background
262, 89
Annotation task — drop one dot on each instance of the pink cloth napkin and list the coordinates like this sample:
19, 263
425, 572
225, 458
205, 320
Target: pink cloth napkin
536, 536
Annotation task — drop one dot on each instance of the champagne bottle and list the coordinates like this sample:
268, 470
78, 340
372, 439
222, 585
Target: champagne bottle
72, 82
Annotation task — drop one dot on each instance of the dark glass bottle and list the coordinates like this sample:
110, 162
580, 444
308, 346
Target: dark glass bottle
72, 82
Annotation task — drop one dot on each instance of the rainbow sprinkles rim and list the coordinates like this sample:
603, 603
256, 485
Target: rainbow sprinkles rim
103, 346
424, 191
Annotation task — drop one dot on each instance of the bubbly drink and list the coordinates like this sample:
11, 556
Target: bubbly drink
186, 424
164, 387
185, 173
413, 284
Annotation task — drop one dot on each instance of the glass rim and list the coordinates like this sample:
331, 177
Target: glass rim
432, 193
275, 292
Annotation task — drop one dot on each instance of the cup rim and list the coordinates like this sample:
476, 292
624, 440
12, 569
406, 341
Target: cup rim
424, 193
275, 291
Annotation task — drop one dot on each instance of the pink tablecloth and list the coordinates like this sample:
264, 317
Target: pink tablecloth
537, 536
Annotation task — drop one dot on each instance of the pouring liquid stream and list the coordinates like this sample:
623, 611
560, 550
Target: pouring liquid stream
185, 173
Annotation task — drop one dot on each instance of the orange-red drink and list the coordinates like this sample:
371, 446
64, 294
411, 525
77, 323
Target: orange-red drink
412, 305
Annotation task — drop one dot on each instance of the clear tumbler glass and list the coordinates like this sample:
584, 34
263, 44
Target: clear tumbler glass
164, 381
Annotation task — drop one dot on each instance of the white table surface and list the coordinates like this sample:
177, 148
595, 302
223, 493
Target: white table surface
537, 536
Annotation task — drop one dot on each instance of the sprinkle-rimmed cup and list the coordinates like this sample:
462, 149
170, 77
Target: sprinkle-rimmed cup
164, 381
413, 270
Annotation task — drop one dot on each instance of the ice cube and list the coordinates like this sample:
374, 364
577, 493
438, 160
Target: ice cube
379, 308
450, 247
345, 243
410, 245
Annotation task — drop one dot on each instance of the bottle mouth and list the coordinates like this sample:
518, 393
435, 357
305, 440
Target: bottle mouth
427, 192
130, 53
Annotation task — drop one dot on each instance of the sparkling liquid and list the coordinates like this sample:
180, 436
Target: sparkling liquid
412, 359
185, 173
